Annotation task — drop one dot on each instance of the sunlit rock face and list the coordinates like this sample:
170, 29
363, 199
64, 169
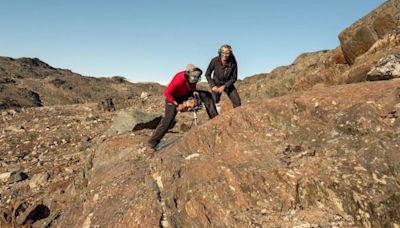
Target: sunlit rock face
359, 37
324, 158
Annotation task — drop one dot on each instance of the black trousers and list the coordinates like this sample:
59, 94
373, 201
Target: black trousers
232, 94
170, 114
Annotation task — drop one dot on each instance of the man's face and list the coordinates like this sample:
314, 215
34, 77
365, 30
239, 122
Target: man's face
194, 76
225, 53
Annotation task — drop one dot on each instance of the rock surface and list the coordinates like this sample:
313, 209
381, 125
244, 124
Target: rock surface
54, 146
45, 143
323, 155
131, 120
308, 71
358, 38
386, 68
316, 158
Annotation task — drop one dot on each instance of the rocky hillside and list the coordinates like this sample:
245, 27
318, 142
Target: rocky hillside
323, 153
361, 46
326, 158
29, 82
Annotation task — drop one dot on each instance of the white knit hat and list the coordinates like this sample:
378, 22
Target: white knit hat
190, 67
193, 72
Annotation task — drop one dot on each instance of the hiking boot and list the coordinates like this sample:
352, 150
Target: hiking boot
149, 149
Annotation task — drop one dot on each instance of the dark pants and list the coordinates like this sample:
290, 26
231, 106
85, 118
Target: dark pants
170, 113
232, 94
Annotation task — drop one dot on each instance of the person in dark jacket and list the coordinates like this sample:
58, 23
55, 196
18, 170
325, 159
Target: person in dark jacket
225, 71
180, 89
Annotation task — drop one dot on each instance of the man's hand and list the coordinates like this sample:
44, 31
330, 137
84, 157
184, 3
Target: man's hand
186, 105
221, 89
214, 89
191, 103
180, 108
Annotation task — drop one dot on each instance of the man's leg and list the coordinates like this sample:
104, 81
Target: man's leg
233, 96
163, 126
216, 97
208, 101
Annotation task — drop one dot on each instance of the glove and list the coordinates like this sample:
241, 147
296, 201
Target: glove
191, 103
187, 105
180, 108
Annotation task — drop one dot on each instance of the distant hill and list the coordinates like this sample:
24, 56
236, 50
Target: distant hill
27, 82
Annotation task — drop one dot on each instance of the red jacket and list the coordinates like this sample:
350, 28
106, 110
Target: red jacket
178, 87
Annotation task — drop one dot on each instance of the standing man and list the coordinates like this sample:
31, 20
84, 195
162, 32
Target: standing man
178, 94
225, 70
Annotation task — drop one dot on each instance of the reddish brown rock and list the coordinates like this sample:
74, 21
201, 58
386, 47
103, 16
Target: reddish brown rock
358, 72
386, 68
306, 71
338, 56
326, 158
359, 37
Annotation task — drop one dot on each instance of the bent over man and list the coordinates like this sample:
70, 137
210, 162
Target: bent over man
180, 89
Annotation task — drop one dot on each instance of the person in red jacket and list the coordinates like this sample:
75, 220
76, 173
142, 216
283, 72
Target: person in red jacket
180, 89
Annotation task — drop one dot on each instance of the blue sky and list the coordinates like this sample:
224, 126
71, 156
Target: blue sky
151, 40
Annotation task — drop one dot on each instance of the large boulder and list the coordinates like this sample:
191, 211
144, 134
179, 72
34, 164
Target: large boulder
387, 68
364, 64
386, 46
359, 37
131, 120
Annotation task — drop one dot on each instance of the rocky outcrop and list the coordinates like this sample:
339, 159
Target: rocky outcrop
106, 105
12, 97
308, 71
364, 64
386, 46
323, 158
386, 68
131, 120
362, 45
361, 36
35, 62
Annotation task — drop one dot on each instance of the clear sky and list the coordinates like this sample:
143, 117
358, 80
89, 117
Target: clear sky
151, 40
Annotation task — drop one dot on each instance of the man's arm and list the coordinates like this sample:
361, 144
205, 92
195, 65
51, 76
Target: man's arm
209, 71
168, 92
233, 78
